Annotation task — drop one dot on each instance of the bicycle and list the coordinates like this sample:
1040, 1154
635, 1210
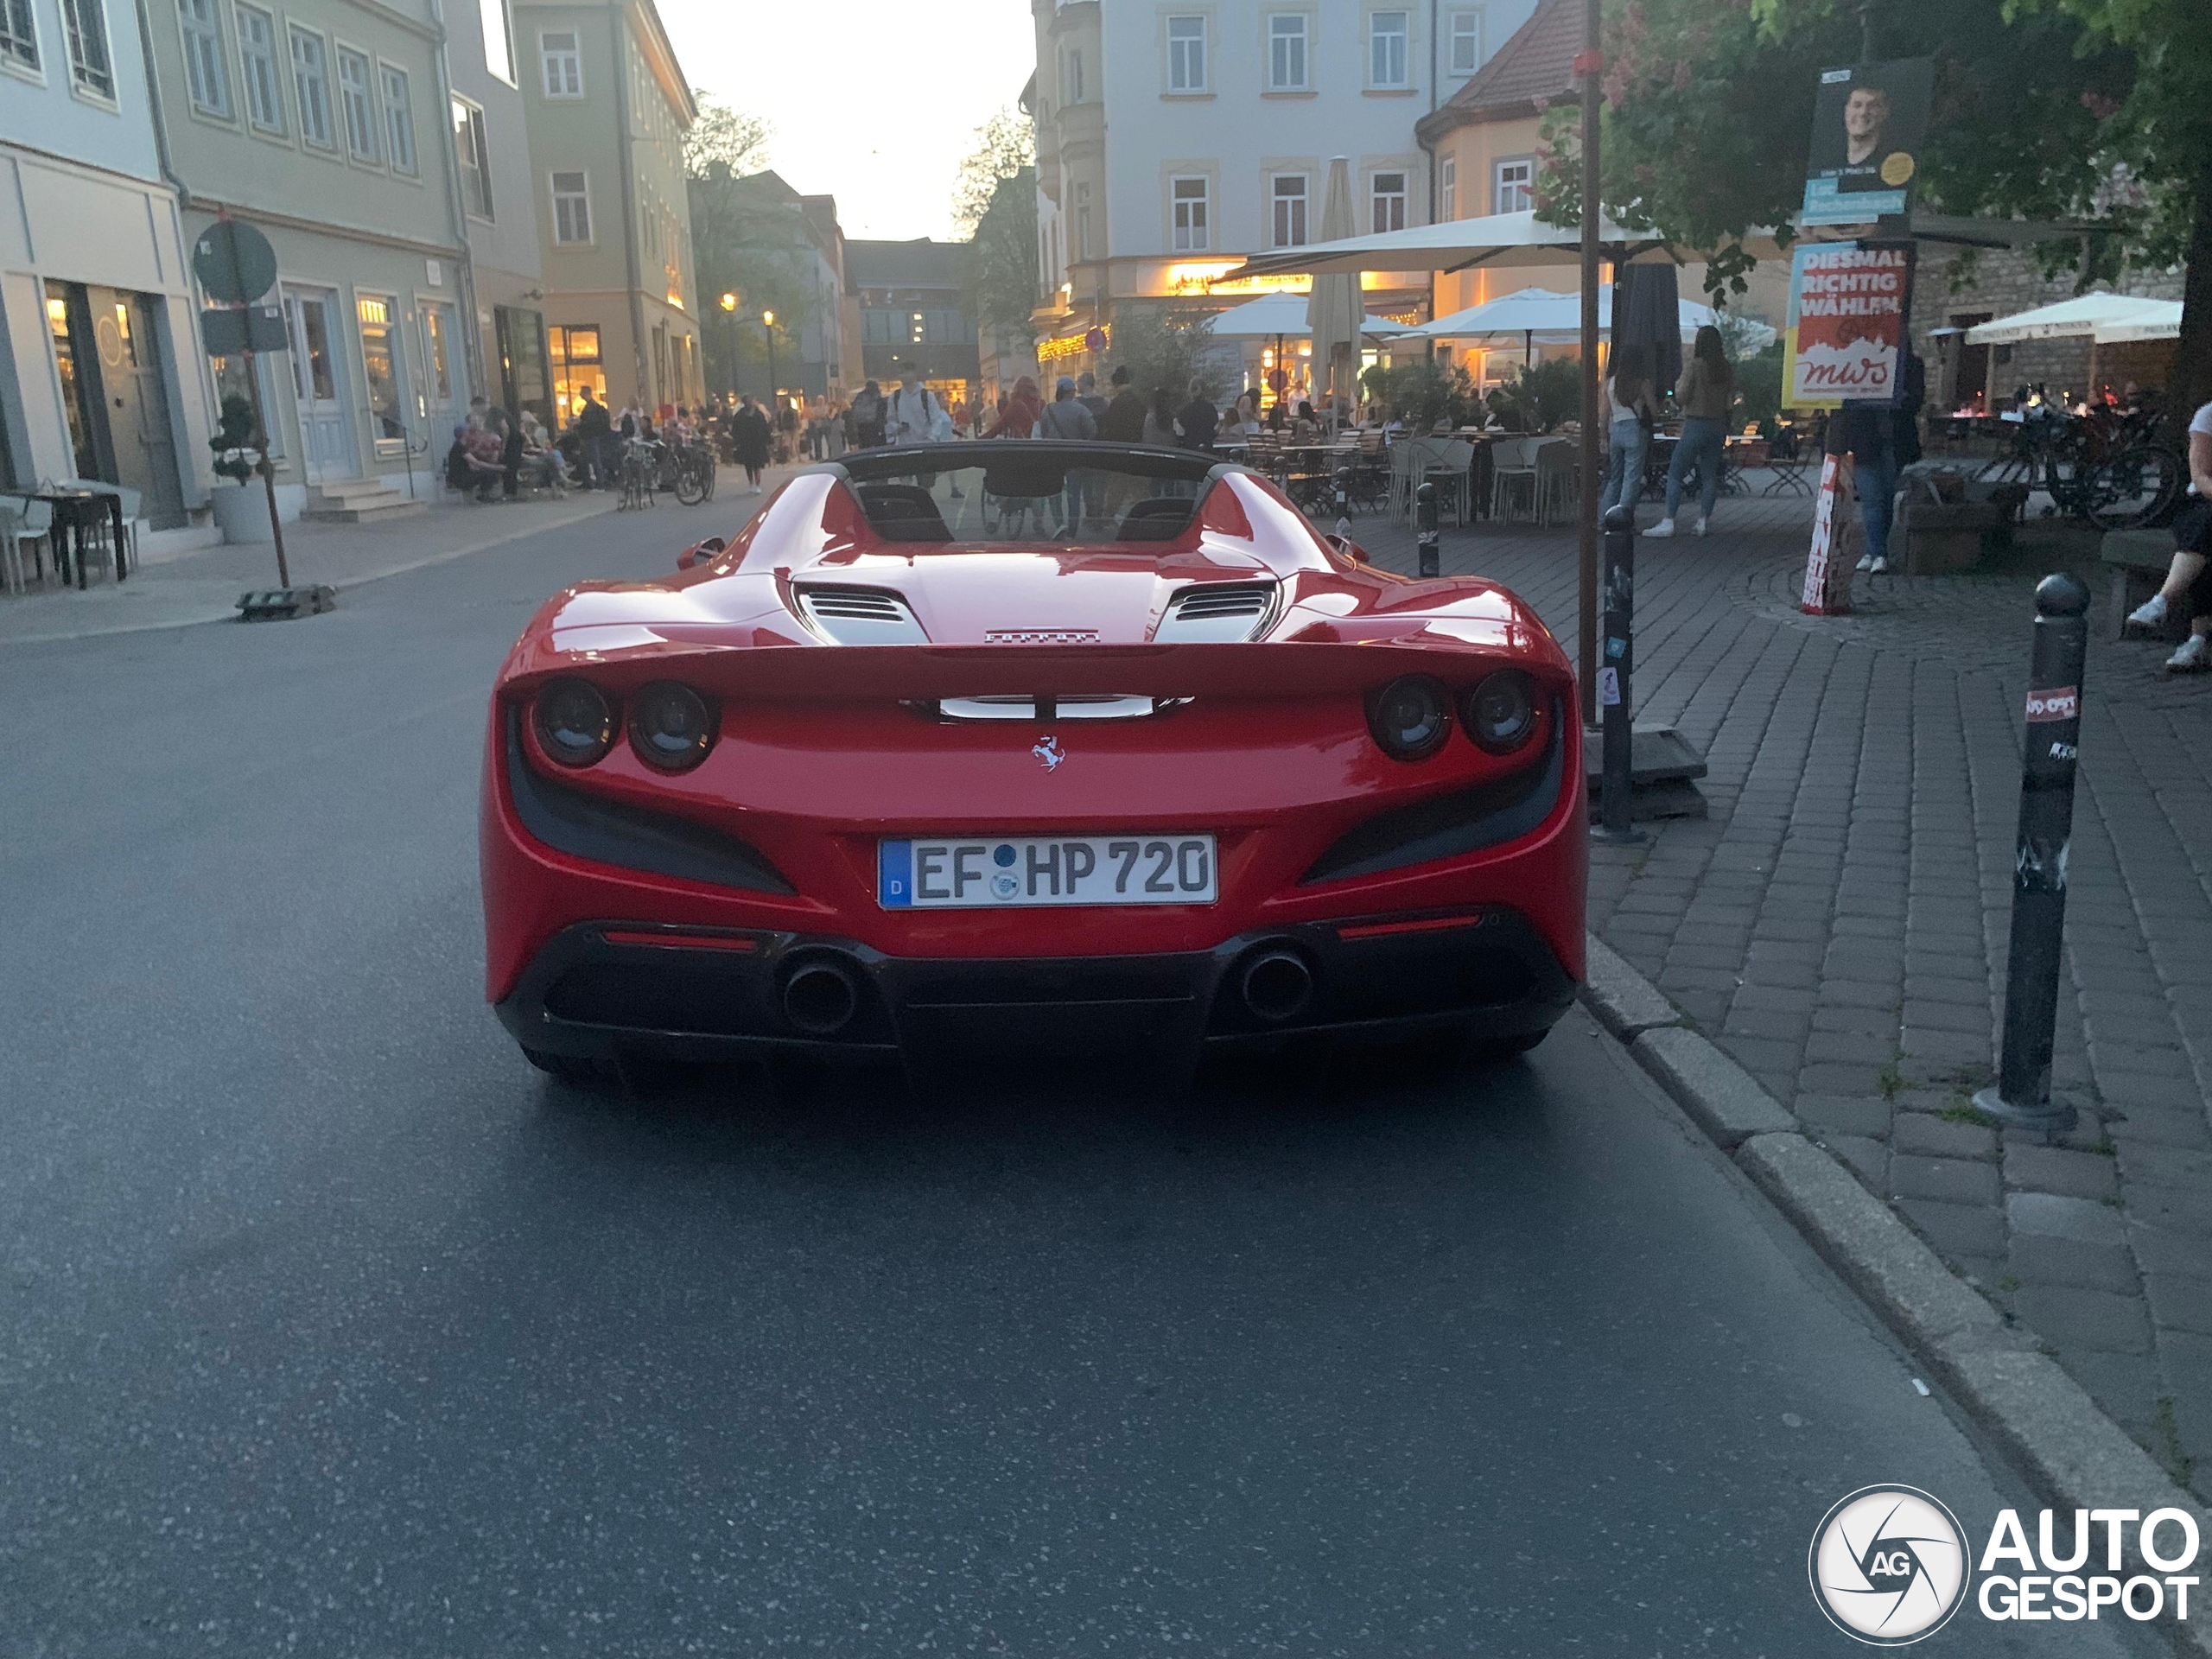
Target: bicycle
689, 473
2108, 469
635, 476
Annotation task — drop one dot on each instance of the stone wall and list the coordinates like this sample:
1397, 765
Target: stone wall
2001, 284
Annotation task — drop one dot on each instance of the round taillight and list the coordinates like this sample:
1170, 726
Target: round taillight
1500, 713
574, 725
671, 726
1410, 718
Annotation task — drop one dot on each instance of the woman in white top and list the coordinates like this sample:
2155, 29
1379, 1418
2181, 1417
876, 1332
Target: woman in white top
2189, 581
1631, 406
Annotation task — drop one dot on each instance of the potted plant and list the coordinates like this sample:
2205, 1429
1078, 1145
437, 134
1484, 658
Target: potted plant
241, 513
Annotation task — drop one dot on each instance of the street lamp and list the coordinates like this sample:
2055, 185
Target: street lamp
729, 309
768, 328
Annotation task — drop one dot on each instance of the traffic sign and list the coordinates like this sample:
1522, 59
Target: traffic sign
234, 263
242, 328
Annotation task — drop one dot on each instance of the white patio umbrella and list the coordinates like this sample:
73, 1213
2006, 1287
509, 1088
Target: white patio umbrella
2164, 323
1547, 315
1285, 314
1333, 311
2081, 317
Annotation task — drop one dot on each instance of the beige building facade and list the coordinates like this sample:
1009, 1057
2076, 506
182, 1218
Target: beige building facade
607, 109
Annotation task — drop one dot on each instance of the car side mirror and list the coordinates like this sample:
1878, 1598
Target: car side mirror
699, 553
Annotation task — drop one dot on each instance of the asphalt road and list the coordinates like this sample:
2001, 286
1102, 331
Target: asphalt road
328, 1327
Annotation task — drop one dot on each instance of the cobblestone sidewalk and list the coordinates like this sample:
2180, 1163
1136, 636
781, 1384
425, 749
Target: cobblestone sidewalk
1839, 922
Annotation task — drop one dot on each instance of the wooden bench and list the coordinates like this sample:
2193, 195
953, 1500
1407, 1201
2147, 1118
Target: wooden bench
2139, 561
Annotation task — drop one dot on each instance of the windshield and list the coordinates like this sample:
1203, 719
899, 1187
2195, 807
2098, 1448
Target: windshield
1009, 492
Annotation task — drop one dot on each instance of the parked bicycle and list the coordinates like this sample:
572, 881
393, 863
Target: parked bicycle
636, 475
2108, 466
687, 472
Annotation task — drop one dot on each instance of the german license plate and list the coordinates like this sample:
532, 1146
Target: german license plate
1016, 871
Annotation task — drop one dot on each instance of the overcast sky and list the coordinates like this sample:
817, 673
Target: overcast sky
872, 101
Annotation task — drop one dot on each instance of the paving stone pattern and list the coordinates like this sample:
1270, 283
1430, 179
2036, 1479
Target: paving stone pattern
1839, 922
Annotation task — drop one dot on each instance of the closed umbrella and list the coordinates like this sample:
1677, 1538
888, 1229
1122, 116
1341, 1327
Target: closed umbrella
1333, 311
1648, 312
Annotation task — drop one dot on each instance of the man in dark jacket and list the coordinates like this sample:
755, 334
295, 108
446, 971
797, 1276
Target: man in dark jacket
1198, 418
592, 430
1124, 421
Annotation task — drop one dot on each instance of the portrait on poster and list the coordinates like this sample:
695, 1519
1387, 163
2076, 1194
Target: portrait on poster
1869, 124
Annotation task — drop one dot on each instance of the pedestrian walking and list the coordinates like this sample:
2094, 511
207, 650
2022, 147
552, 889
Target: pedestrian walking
1631, 406
1065, 418
1708, 392
1123, 420
866, 417
2189, 580
1877, 493
749, 441
1198, 419
1160, 428
1023, 410
1086, 393
594, 428
912, 413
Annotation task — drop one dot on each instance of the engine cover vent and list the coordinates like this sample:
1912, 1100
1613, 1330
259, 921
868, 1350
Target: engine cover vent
1216, 613
862, 616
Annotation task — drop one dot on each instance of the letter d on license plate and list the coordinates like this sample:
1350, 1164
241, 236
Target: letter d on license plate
1016, 871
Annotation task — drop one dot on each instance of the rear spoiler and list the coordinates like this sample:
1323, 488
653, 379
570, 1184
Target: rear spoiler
1285, 670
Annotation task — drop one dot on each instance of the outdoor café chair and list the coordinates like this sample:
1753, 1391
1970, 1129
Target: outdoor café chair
1513, 464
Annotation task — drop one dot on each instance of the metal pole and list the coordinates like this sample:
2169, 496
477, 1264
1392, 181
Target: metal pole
2022, 1095
1432, 560
1615, 695
1589, 65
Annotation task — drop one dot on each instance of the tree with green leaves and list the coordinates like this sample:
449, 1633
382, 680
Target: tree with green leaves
749, 237
2044, 109
994, 208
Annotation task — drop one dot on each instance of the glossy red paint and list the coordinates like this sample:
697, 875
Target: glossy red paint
823, 748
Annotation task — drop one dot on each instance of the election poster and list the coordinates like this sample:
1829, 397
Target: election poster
1843, 336
1868, 125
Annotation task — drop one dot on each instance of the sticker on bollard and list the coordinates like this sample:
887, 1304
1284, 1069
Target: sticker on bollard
2021, 1096
1615, 682
1431, 558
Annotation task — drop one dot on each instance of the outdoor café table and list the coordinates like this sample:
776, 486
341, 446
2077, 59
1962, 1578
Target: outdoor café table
77, 513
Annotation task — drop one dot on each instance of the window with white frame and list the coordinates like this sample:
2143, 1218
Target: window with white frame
1186, 54
1448, 188
1515, 186
571, 209
358, 101
207, 75
561, 56
469, 146
1193, 233
90, 64
1083, 221
1466, 42
398, 117
1386, 193
311, 83
18, 34
1289, 192
498, 40
1387, 36
264, 98
1286, 52
1071, 75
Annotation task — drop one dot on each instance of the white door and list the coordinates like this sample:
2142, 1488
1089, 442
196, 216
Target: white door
319, 380
442, 403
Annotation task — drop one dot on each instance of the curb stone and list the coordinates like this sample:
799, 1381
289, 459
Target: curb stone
2074, 1455
1719, 1094
1623, 999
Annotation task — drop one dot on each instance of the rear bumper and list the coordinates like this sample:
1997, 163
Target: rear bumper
602, 989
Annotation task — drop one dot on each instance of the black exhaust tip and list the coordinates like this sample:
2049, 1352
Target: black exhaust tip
821, 997
1276, 985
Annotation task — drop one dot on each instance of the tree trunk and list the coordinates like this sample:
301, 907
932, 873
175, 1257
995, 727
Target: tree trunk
2192, 373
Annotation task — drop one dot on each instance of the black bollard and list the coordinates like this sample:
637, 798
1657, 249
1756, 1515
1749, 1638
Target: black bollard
2022, 1096
1431, 557
1616, 702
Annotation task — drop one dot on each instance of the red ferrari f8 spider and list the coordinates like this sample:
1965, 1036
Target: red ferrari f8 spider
1008, 743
